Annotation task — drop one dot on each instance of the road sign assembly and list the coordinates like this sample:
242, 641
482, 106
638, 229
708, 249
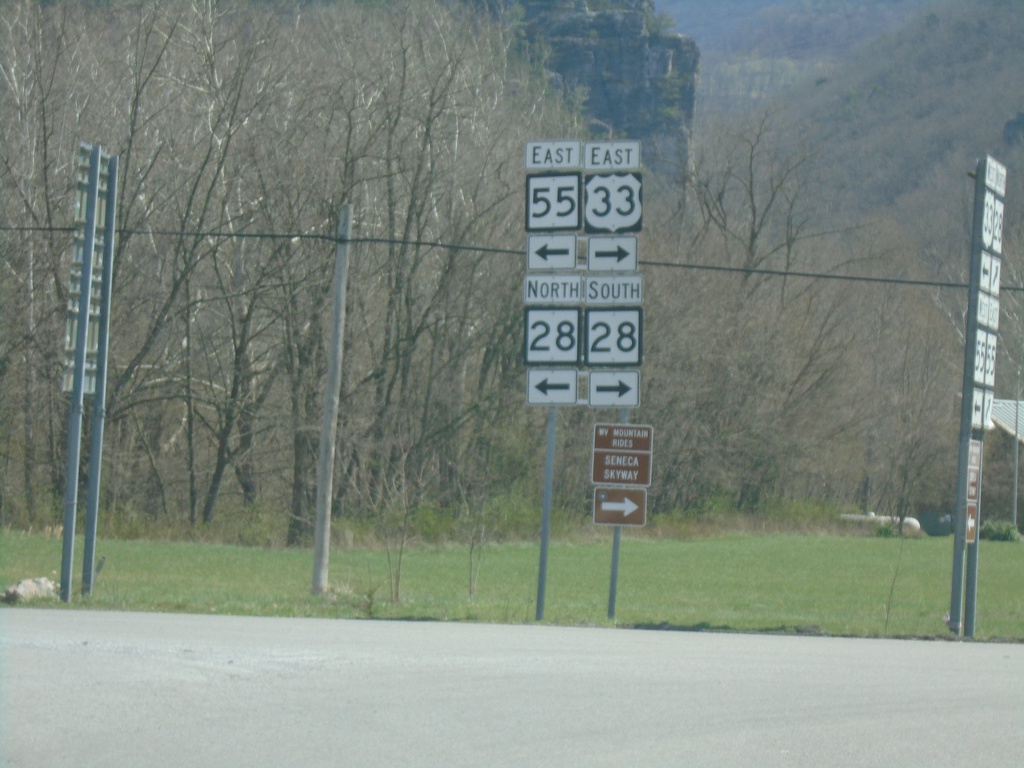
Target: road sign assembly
978, 385
593, 319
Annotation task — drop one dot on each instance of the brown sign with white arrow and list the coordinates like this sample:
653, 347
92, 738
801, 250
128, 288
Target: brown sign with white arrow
620, 506
972, 522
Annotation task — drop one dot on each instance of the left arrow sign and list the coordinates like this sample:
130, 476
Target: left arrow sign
551, 252
551, 386
546, 386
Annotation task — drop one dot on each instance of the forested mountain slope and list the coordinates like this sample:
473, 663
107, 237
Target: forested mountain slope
919, 103
890, 93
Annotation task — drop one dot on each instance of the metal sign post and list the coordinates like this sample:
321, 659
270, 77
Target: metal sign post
99, 400
545, 525
86, 343
978, 384
84, 246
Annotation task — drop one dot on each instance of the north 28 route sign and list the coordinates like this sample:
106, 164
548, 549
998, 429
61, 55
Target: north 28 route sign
551, 335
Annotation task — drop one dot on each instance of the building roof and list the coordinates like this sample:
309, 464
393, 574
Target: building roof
1006, 416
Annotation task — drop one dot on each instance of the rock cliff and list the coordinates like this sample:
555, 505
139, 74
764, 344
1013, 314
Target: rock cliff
639, 81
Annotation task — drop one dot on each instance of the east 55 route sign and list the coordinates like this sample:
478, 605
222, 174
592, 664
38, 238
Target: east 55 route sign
552, 202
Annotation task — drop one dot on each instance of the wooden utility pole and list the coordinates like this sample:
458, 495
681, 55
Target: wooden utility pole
332, 395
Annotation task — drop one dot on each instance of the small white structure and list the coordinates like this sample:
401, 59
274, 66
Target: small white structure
30, 589
911, 525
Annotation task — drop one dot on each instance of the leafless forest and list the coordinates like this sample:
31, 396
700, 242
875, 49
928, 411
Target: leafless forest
242, 127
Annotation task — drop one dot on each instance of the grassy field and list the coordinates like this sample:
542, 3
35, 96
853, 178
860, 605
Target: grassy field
787, 583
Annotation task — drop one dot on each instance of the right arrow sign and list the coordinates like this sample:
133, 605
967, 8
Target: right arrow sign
620, 506
612, 254
614, 389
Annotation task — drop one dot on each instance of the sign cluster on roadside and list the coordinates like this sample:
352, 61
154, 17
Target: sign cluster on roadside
583, 294
93, 293
86, 346
978, 385
583, 318
987, 296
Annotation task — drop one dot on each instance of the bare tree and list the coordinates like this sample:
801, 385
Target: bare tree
757, 354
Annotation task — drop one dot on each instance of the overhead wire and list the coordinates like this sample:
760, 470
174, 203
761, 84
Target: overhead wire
803, 274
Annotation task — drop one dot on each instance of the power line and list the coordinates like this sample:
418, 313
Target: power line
817, 275
278, 236
909, 282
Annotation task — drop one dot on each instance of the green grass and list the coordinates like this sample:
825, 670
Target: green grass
790, 583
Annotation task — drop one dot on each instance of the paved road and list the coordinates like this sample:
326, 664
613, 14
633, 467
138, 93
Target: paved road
120, 690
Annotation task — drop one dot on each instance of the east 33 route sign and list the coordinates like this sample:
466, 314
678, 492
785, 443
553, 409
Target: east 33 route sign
613, 203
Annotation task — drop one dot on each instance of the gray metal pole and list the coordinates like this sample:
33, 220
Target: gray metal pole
545, 522
99, 400
971, 589
971, 581
75, 412
332, 397
613, 587
1016, 448
959, 540
970, 338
